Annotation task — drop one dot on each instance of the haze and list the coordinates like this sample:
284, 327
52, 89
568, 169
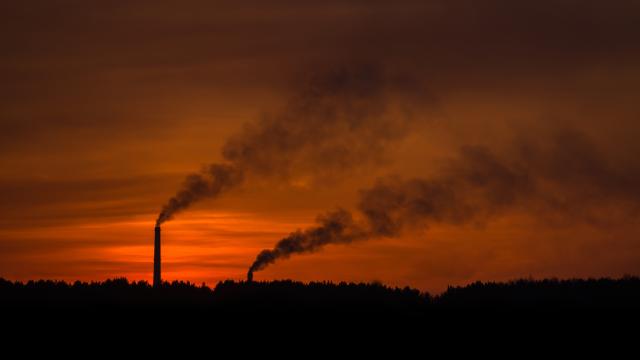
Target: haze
106, 107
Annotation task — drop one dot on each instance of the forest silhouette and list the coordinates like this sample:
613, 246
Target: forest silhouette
287, 296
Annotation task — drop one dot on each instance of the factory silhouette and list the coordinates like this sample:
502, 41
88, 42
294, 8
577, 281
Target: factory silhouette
293, 297
157, 277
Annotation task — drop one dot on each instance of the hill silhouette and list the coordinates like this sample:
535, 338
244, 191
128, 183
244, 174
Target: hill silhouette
296, 297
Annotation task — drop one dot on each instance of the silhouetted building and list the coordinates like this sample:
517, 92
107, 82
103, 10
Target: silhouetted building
156, 259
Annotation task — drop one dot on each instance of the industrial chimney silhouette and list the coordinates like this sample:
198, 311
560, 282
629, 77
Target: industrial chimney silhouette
156, 259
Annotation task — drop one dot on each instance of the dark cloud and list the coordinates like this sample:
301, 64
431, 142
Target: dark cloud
46, 202
232, 29
19, 246
90, 69
73, 41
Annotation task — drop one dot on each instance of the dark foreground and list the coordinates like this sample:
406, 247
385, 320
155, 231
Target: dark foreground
291, 297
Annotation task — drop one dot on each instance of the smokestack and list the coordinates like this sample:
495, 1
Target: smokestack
250, 276
156, 259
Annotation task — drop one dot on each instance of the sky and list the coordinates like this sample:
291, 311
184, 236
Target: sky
466, 140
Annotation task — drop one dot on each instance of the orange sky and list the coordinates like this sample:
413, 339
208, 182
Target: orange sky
105, 108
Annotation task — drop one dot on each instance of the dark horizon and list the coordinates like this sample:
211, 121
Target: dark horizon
275, 296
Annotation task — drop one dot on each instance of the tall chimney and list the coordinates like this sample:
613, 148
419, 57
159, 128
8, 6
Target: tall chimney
156, 259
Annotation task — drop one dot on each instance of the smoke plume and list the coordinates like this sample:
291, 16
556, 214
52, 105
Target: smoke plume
333, 228
210, 182
565, 180
336, 121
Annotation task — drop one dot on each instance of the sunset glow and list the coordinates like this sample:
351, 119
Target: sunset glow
464, 141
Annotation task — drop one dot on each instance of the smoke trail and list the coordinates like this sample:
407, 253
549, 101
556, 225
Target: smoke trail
568, 179
333, 228
475, 183
210, 182
337, 121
